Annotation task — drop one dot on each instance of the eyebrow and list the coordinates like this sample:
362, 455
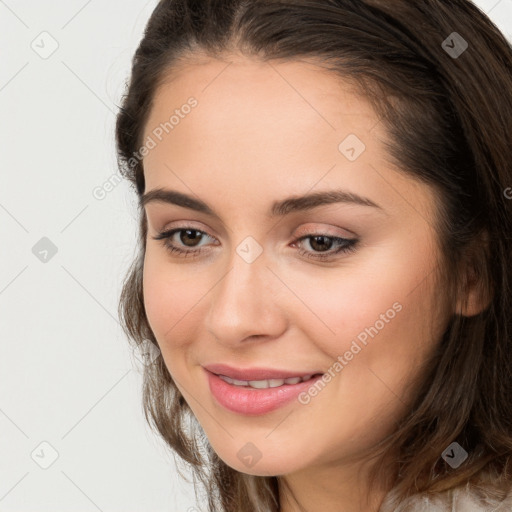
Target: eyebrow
278, 209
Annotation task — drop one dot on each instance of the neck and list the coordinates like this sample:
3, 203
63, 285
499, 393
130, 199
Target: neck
332, 489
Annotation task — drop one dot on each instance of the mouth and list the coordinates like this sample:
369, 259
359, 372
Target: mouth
252, 396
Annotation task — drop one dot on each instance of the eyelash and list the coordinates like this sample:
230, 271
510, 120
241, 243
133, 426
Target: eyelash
349, 247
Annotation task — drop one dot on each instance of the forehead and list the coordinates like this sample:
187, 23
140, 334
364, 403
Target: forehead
255, 111
257, 125
245, 96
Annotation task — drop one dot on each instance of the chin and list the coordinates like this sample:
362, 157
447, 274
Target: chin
270, 466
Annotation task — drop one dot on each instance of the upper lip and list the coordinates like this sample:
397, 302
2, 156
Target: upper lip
255, 373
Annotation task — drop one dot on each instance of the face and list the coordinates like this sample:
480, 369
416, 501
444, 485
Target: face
341, 290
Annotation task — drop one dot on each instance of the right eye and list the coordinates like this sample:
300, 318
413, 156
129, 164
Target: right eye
188, 234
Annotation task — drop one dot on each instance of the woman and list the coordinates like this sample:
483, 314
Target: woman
325, 219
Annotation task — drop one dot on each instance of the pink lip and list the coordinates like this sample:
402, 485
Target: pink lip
252, 401
256, 373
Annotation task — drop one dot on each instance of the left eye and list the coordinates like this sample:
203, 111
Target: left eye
190, 236
345, 245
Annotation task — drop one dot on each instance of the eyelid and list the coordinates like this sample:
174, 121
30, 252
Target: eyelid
330, 231
184, 224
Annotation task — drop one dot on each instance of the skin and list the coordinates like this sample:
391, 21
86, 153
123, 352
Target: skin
261, 133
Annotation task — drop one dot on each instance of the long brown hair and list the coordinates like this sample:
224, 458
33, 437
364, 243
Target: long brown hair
450, 125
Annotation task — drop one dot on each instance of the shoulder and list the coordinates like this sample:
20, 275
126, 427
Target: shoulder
465, 498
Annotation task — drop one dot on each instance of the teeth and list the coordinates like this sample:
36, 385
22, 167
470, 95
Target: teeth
293, 380
260, 384
274, 383
263, 384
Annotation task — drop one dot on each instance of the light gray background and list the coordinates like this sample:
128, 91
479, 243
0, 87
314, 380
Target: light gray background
68, 377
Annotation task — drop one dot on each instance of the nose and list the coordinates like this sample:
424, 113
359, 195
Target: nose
245, 302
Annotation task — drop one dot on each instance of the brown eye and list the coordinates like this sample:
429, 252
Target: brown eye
320, 243
190, 236
321, 246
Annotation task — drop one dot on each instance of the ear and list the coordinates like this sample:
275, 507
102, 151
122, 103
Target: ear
476, 294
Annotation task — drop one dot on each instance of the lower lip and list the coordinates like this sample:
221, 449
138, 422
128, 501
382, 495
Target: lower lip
252, 401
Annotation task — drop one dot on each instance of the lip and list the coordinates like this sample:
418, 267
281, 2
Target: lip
251, 401
256, 373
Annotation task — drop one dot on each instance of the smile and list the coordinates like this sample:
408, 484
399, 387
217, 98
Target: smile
254, 397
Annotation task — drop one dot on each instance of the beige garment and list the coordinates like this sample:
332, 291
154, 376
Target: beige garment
460, 499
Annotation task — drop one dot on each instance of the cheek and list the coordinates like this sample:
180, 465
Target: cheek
169, 299
387, 306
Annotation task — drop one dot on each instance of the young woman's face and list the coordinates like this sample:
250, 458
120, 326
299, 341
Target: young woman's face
341, 288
